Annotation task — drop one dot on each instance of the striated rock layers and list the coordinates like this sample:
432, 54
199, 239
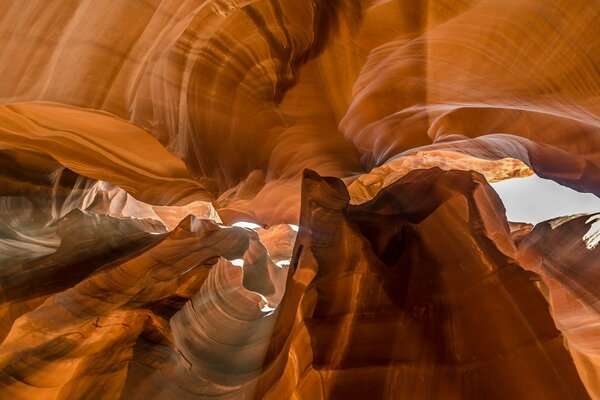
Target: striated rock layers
138, 138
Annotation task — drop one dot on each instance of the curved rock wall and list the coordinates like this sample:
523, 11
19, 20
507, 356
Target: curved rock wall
135, 133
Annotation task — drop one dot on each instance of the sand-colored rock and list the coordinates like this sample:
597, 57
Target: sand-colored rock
134, 134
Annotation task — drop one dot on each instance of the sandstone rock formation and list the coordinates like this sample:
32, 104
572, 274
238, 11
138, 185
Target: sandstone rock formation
359, 136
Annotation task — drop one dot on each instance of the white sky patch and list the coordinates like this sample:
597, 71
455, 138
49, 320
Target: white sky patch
592, 237
283, 263
294, 227
534, 200
266, 308
247, 225
238, 262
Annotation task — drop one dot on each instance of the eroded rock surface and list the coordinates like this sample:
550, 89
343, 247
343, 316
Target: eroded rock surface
360, 136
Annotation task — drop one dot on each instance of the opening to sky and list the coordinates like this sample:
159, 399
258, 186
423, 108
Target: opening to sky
534, 199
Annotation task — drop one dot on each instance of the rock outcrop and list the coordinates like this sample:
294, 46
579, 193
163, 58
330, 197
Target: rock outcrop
360, 138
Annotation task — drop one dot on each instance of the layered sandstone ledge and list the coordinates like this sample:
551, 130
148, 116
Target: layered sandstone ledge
360, 136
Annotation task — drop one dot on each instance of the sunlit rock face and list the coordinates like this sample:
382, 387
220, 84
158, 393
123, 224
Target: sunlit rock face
290, 199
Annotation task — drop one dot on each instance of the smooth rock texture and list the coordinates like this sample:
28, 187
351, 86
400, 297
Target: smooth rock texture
359, 136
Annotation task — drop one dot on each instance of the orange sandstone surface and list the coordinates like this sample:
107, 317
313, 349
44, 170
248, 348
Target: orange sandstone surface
359, 137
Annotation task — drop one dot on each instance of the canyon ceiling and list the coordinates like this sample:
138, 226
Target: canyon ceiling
139, 138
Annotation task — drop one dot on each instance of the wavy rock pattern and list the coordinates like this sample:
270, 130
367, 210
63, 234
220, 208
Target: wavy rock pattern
134, 134
571, 273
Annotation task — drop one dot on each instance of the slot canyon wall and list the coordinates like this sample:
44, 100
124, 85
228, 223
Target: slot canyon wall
360, 137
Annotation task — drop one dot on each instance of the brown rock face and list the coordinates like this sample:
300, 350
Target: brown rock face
139, 138
411, 298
